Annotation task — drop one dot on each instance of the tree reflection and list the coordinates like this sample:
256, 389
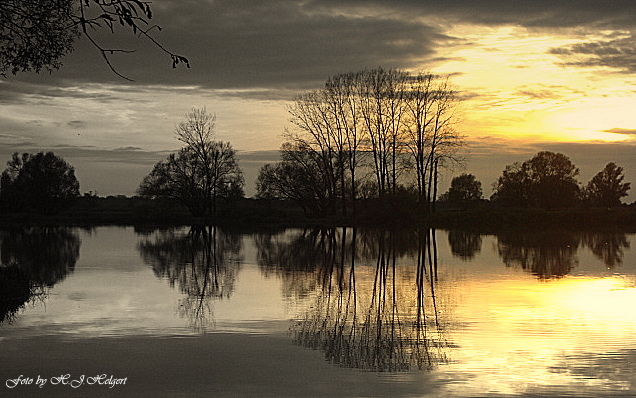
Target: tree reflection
464, 244
373, 302
203, 262
550, 254
607, 246
32, 260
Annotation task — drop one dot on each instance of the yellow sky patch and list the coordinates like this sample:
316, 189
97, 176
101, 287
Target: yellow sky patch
514, 87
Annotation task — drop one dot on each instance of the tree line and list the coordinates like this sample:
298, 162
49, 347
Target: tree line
319, 172
548, 180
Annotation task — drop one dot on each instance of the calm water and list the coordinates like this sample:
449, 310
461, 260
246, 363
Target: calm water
335, 312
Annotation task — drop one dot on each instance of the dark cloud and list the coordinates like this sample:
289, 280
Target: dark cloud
36, 88
298, 44
539, 94
261, 44
543, 92
618, 53
128, 148
612, 14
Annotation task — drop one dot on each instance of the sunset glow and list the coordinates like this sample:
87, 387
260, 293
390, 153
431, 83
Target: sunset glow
515, 88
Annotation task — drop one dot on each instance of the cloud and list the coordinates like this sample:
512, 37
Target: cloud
76, 124
542, 92
618, 54
260, 44
128, 148
621, 131
282, 44
529, 13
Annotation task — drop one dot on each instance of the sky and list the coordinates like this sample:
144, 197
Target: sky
532, 75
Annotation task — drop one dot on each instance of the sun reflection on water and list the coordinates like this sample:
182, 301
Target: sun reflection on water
522, 337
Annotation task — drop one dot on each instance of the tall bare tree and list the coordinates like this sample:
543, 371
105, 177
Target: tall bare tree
381, 115
382, 108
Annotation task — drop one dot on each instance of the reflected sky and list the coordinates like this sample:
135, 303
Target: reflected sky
499, 329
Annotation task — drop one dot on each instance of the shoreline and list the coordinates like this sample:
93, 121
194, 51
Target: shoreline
255, 214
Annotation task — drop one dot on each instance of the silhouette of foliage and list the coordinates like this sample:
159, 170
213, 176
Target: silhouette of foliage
15, 291
607, 246
548, 180
370, 306
301, 177
463, 188
607, 188
368, 125
36, 34
42, 182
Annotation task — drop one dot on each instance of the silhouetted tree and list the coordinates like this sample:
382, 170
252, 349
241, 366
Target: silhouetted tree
607, 188
430, 136
36, 34
200, 174
511, 188
42, 182
367, 309
379, 120
548, 180
301, 176
382, 106
15, 291
463, 188
552, 179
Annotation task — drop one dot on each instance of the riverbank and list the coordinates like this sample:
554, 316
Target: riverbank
249, 213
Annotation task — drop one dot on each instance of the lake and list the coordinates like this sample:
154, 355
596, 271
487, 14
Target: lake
186, 312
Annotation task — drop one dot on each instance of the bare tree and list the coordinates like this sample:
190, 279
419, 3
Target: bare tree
382, 108
312, 115
385, 115
201, 173
420, 109
431, 136
347, 131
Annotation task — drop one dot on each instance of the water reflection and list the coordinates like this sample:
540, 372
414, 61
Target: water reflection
546, 255
464, 244
202, 261
32, 260
607, 246
553, 254
372, 307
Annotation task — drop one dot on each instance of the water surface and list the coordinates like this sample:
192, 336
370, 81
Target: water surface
318, 312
